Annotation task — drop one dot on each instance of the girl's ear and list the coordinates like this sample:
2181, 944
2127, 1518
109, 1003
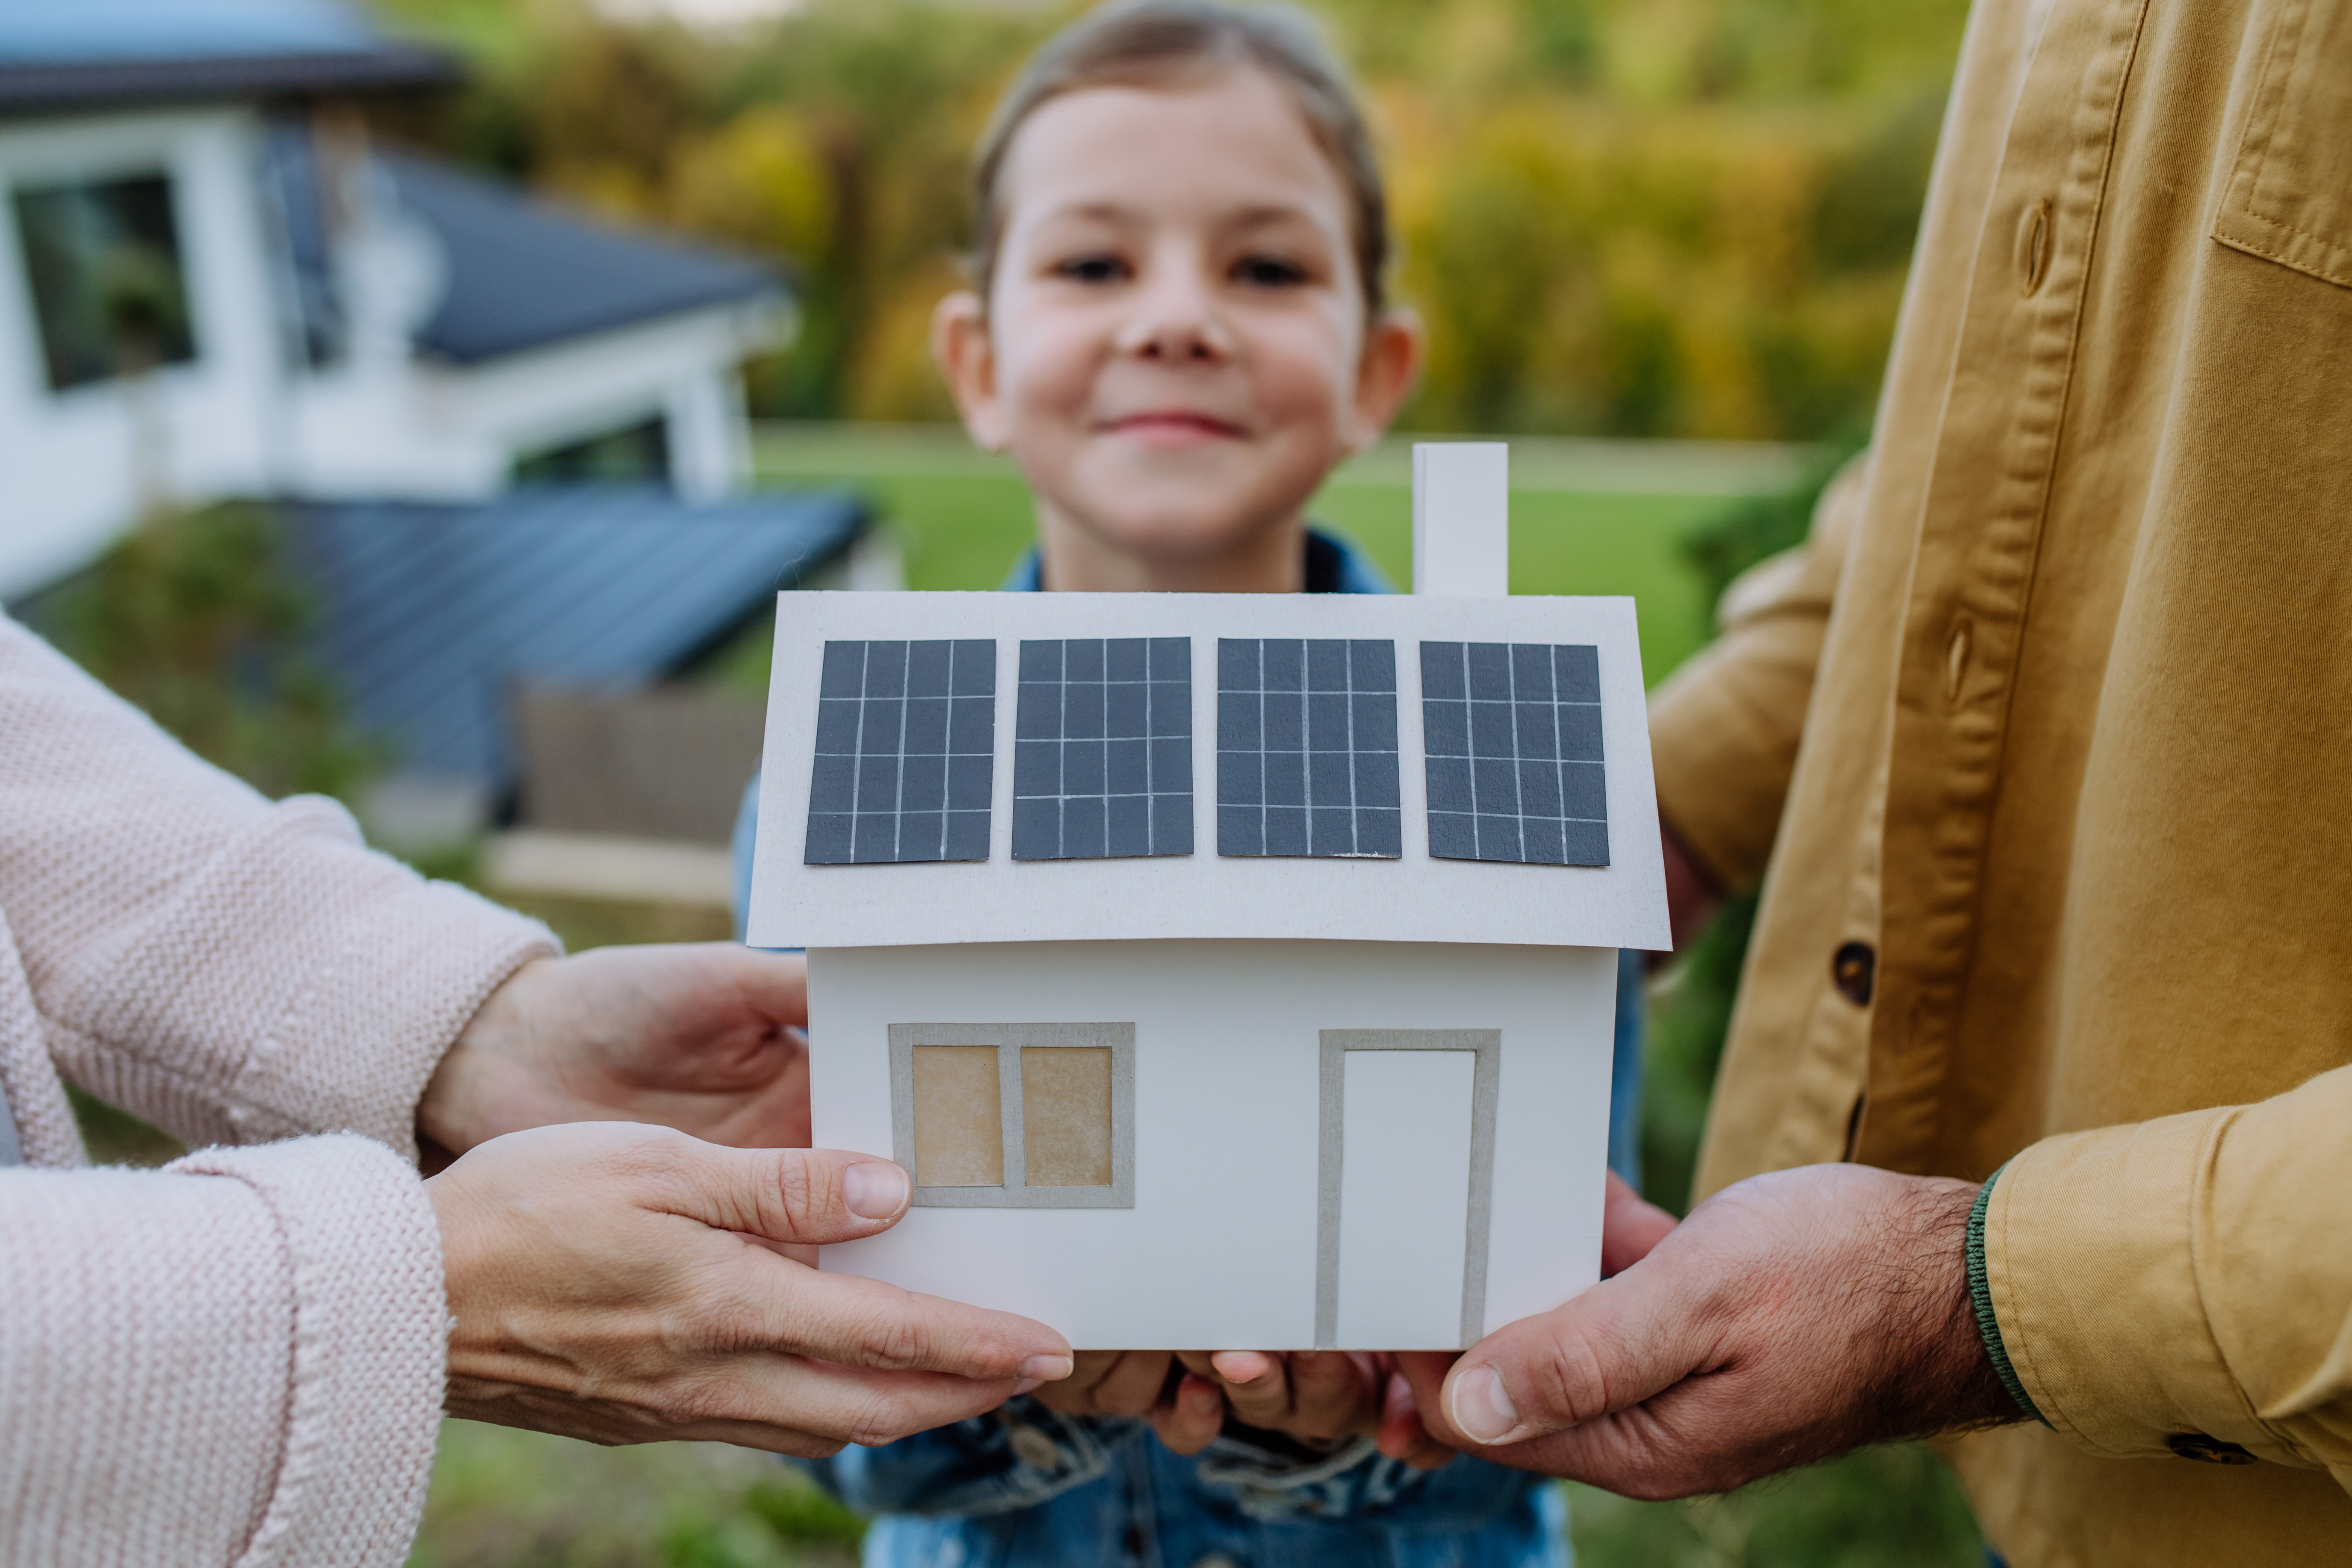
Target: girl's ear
1394, 347
961, 345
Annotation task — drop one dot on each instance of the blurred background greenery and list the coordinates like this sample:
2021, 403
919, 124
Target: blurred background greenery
1631, 219
1636, 217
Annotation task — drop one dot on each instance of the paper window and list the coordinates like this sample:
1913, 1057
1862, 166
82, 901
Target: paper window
1015, 1115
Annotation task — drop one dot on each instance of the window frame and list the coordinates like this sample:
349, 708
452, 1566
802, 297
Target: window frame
1008, 1039
34, 183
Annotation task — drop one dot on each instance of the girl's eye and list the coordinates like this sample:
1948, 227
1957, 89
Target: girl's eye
1268, 272
1092, 269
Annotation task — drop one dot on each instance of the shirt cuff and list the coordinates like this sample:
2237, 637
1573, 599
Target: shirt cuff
2091, 1275
1980, 1300
369, 1360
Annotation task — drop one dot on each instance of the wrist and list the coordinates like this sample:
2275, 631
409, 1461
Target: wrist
1955, 1383
481, 1066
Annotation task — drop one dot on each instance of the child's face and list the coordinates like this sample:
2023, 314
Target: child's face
1175, 345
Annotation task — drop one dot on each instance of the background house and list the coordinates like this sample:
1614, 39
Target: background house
211, 284
511, 439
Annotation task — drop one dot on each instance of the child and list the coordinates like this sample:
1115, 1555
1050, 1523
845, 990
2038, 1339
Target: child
1177, 329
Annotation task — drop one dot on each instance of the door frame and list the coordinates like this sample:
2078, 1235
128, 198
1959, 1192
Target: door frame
1485, 1087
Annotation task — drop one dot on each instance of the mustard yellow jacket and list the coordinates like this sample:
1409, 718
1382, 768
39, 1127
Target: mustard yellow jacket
2042, 750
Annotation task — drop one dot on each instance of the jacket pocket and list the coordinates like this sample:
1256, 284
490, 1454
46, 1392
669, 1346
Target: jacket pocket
2289, 195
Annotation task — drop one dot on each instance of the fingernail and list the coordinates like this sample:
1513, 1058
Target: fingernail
1481, 1408
1039, 1369
874, 1189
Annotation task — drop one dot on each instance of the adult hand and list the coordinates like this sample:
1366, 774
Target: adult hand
1790, 1318
629, 1284
1692, 897
706, 1038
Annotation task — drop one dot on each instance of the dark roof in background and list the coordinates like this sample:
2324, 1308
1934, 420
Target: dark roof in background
430, 615
76, 54
522, 273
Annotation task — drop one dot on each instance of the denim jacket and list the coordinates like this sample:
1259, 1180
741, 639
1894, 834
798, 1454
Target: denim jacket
1025, 1485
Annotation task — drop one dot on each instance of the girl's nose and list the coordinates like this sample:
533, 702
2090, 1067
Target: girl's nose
1175, 322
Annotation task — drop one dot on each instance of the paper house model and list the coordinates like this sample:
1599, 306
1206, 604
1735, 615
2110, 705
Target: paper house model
1230, 970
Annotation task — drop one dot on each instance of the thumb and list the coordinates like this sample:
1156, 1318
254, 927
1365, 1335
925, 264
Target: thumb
1620, 1342
794, 1197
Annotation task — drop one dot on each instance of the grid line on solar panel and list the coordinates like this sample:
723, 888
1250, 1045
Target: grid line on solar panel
1307, 748
1512, 738
906, 744
1102, 749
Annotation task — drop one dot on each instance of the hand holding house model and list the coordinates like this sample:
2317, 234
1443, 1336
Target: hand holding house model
1232, 971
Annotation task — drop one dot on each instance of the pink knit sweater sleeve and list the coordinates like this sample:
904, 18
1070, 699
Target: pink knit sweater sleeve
236, 1360
239, 1359
231, 970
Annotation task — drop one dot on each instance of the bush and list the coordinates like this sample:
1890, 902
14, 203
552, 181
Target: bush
196, 618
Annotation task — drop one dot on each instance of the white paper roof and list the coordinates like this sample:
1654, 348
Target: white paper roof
1416, 898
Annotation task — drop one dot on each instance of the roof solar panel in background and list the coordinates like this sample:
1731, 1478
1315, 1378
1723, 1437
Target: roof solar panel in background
905, 740
1513, 737
1102, 749
1307, 748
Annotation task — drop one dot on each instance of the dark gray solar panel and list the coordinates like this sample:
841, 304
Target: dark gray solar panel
906, 740
1513, 737
1102, 749
1307, 748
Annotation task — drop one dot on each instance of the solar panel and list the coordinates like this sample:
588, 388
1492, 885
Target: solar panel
1307, 748
1513, 737
906, 740
1102, 749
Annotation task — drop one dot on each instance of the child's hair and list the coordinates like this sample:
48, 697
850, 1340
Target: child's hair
1166, 43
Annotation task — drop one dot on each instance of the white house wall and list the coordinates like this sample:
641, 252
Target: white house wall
72, 463
1219, 1251
446, 431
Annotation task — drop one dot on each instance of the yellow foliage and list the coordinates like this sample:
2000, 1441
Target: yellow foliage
757, 179
892, 376
1626, 216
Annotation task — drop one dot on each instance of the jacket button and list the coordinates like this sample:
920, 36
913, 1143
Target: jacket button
1035, 1448
1853, 969
2207, 1450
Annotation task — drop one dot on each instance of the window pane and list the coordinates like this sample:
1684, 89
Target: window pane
1066, 1115
104, 263
636, 455
959, 1117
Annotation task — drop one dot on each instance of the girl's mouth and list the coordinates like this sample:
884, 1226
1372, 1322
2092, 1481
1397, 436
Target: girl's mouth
1173, 427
